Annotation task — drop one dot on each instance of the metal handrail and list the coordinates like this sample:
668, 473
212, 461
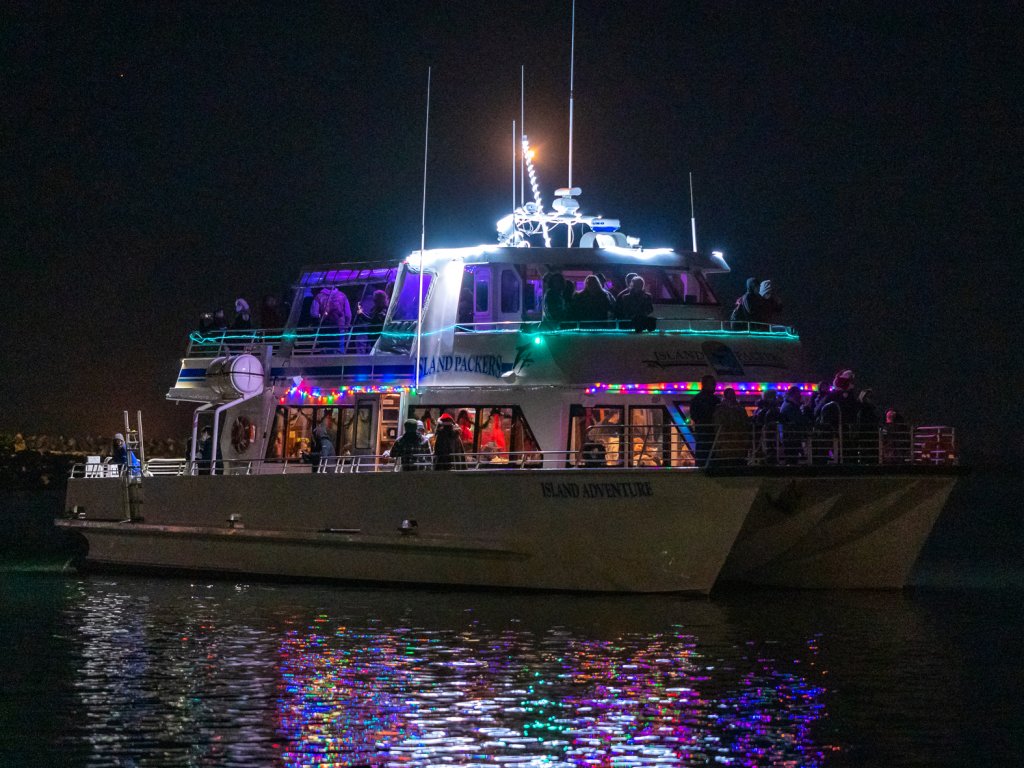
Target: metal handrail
780, 444
360, 339
752, 446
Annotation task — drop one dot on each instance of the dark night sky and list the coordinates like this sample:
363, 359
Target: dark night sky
159, 160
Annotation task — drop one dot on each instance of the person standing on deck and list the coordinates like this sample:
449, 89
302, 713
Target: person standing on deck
702, 414
119, 452
412, 449
636, 305
449, 452
332, 309
243, 320
554, 310
733, 425
593, 304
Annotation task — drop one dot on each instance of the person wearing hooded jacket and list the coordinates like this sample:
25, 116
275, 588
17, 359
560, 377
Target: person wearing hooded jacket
243, 320
757, 305
412, 449
449, 452
748, 306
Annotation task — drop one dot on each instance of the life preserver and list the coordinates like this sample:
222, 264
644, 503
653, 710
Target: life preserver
243, 433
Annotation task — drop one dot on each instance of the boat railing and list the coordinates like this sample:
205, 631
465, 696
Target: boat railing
357, 340
778, 444
668, 325
360, 339
772, 445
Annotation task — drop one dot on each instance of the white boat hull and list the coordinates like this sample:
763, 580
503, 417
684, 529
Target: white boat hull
837, 531
631, 531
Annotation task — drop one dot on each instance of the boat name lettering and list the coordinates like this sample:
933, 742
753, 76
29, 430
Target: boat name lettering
694, 356
762, 359
485, 365
620, 490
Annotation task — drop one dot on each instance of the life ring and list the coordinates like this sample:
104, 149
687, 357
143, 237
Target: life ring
243, 433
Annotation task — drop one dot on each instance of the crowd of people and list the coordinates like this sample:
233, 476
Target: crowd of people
87, 445
327, 308
837, 423
273, 314
595, 304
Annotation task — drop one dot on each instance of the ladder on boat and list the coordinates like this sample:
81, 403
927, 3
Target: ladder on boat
131, 475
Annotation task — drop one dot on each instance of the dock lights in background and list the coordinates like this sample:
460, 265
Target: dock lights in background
305, 395
693, 387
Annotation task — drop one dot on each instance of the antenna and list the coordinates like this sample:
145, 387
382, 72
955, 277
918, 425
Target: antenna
522, 129
572, 65
693, 220
423, 236
514, 157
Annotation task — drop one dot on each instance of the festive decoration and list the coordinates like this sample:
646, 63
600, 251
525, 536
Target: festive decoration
303, 394
693, 387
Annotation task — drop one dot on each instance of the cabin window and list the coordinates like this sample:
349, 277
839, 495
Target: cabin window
654, 440
693, 288
407, 305
511, 291
491, 434
363, 427
596, 435
292, 433
358, 285
614, 436
400, 329
533, 295
481, 292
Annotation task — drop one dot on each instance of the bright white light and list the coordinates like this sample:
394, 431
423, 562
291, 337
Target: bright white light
434, 255
639, 253
718, 254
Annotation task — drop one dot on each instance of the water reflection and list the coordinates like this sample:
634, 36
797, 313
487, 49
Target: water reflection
171, 673
409, 696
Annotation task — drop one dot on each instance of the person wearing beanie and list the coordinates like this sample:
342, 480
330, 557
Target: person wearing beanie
243, 320
412, 449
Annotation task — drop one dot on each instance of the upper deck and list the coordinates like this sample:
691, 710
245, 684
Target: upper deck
479, 312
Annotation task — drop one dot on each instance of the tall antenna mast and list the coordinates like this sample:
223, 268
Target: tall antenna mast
522, 130
423, 236
572, 64
693, 220
514, 158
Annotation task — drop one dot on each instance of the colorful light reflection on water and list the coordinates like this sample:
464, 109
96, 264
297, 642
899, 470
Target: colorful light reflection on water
408, 696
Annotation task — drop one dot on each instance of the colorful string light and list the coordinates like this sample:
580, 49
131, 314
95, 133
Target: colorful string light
693, 387
306, 395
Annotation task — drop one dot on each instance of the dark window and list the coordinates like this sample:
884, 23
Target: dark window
400, 330
407, 306
510, 291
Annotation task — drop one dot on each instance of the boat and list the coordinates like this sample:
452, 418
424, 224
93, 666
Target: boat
583, 469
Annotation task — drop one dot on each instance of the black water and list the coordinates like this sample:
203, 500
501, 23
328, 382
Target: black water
125, 671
